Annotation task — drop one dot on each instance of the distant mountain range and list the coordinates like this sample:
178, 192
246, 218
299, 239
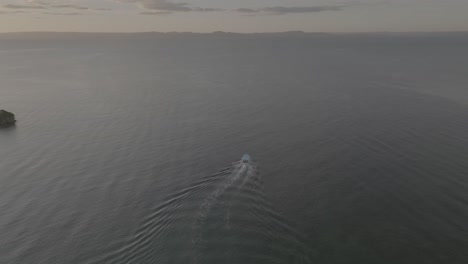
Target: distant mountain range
222, 33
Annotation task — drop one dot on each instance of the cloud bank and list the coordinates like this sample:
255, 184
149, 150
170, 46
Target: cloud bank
15, 6
281, 10
62, 14
47, 5
171, 6
165, 7
11, 12
68, 6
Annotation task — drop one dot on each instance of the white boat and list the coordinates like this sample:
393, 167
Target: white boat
245, 158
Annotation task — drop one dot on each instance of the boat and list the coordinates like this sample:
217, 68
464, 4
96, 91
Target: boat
245, 158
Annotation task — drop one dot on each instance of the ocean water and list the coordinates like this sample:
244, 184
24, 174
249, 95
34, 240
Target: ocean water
124, 149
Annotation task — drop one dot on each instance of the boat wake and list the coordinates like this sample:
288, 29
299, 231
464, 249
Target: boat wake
224, 218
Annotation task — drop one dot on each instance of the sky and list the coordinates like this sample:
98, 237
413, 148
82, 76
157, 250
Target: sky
233, 15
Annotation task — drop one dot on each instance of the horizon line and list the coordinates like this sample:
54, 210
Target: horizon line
232, 32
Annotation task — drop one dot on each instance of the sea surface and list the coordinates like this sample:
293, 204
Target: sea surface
126, 146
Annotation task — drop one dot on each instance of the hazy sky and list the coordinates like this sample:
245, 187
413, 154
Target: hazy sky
233, 15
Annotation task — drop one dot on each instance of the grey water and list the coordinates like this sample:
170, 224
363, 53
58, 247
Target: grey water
124, 148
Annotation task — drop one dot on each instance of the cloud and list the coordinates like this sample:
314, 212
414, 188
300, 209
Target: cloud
201, 9
247, 10
40, 4
300, 9
281, 10
14, 6
62, 14
11, 12
159, 13
169, 6
69, 6
163, 5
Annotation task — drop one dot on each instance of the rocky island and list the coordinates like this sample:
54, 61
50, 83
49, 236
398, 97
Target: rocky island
6, 119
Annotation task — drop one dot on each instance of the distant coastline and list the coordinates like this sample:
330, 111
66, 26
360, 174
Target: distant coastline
47, 34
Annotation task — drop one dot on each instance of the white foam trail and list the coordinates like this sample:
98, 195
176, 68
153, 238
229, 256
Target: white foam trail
223, 218
240, 169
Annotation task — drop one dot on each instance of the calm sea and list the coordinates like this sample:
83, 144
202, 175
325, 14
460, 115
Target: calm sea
124, 149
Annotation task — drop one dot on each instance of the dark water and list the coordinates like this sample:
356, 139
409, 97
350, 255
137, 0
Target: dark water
118, 155
224, 218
